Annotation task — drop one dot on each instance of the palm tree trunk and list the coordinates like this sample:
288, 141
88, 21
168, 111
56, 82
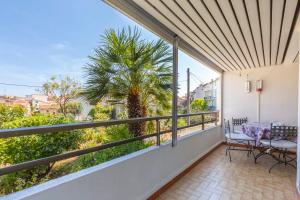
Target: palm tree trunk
135, 110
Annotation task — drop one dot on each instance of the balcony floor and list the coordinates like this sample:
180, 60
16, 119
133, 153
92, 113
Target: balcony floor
216, 178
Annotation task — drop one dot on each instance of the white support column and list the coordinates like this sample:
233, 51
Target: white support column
258, 107
188, 97
175, 91
298, 146
221, 104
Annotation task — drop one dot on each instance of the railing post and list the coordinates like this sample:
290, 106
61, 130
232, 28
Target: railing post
157, 132
202, 122
216, 118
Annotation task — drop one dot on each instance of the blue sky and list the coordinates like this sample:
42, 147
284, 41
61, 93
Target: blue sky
44, 38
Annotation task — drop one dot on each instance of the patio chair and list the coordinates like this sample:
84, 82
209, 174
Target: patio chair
280, 140
236, 136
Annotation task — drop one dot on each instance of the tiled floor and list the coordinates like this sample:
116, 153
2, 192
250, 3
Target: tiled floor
216, 178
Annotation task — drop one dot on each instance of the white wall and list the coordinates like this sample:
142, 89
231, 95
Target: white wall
135, 176
279, 98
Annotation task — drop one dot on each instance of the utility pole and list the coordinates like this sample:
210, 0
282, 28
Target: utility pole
188, 96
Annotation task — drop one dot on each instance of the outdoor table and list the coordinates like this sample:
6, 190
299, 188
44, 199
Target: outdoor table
257, 130
260, 131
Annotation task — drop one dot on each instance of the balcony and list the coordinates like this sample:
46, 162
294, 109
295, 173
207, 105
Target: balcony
137, 175
196, 168
209, 98
241, 40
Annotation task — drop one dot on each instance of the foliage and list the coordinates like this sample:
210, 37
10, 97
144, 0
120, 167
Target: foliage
100, 112
113, 133
124, 67
20, 149
73, 108
182, 110
62, 90
20, 180
9, 113
199, 105
16, 150
127, 67
92, 137
181, 122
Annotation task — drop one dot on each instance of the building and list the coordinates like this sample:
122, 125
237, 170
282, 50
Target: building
198, 92
42, 104
35, 103
207, 91
14, 100
182, 101
48, 107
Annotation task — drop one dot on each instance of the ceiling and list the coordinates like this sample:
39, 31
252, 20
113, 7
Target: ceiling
233, 34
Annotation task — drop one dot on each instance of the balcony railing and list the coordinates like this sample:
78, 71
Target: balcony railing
54, 129
209, 97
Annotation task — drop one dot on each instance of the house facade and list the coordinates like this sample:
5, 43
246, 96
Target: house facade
35, 103
209, 92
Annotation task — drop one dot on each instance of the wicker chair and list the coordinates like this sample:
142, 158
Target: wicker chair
280, 140
236, 136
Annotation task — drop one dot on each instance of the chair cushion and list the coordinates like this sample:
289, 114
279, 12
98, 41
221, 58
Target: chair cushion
284, 144
238, 131
238, 136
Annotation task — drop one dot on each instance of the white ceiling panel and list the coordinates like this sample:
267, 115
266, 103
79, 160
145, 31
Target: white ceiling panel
277, 14
231, 19
293, 49
255, 24
233, 34
162, 7
175, 28
211, 32
210, 40
290, 9
265, 16
241, 14
297, 57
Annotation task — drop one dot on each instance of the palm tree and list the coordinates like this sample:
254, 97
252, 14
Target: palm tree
126, 67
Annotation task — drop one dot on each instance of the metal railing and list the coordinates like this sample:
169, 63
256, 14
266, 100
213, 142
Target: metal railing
54, 129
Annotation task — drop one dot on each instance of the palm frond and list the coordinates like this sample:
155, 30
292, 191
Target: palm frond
123, 61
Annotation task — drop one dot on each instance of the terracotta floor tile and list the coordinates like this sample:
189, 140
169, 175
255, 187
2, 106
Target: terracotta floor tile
215, 178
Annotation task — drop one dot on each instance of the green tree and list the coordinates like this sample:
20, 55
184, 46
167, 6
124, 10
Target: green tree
62, 90
199, 105
127, 67
20, 149
9, 113
100, 112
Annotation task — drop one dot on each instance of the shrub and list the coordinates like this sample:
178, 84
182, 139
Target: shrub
73, 108
112, 134
20, 149
9, 113
199, 105
92, 137
100, 112
181, 122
